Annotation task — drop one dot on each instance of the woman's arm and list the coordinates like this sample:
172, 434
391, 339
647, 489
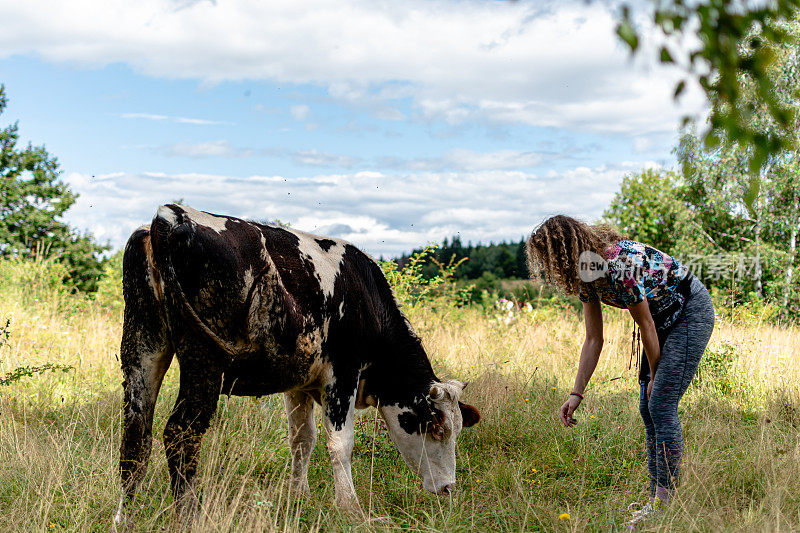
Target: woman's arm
652, 349
590, 354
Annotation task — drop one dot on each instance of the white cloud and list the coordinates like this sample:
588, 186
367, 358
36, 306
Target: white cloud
177, 120
469, 160
544, 64
315, 158
300, 112
385, 214
457, 159
198, 150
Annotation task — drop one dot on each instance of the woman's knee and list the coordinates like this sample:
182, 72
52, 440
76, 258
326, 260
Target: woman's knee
665, 420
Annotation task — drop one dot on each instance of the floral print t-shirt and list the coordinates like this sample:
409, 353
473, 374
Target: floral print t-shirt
635, 270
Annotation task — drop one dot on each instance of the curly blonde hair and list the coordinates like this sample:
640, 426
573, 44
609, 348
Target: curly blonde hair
555, 246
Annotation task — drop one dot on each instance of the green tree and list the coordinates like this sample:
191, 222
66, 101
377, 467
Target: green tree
32, 201
649, 208
762, 213
735, 46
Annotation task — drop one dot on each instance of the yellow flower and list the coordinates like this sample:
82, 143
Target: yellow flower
592, 416
563, 516
527, 399
554, 388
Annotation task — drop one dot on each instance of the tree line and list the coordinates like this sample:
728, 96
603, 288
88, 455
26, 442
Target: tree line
505, 260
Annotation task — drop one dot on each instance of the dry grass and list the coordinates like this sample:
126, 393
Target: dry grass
518, 470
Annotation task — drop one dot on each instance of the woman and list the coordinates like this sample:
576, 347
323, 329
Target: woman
671, 307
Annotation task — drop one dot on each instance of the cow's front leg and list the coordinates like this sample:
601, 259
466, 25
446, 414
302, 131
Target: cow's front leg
339, 408
302, 436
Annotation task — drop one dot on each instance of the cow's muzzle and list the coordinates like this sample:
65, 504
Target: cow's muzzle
440, 491
445, 489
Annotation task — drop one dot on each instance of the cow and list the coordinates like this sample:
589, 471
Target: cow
253, 309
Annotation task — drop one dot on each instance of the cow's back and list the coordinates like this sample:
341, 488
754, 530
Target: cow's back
278, 303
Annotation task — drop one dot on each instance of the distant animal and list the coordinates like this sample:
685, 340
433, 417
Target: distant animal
253, 309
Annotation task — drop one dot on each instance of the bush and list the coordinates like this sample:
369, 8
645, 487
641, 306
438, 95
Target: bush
751, 309
39, 278
109, 285
412, 287
719, 374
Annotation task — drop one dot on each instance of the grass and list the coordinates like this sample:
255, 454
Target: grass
517, 470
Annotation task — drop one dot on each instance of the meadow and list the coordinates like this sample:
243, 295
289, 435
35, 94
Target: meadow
519, 469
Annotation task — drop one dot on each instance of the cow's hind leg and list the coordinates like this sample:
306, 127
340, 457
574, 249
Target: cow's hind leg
145, 353
302, 436
191, 416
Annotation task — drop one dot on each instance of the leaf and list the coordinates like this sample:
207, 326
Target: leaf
711, 140
679, 89
666, 57
626, 32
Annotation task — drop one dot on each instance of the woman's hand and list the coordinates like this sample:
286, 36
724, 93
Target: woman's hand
568, 408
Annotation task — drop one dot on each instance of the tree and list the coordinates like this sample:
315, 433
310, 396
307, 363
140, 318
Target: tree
718, 187
649, 208
736, 42
32, 201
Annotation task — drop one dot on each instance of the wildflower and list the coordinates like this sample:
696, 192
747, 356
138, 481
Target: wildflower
477, 480
591, 416
563, 516
554, 388
527, 399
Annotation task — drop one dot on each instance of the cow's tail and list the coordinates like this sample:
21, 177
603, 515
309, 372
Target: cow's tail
167, 219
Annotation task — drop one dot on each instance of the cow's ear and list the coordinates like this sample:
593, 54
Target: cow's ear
469, 415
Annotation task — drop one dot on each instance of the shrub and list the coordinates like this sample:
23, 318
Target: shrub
38, 278
750, 310
109, 285
413, 288
717, 371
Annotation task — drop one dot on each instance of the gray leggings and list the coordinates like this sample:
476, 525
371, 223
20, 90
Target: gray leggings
680, 354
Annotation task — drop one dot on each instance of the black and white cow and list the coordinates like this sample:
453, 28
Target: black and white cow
253, 309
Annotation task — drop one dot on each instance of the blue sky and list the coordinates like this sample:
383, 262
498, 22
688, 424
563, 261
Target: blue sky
388, 124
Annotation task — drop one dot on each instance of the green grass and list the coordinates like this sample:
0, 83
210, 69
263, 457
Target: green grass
517, 470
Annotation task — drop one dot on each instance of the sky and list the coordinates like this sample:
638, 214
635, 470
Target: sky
389, 124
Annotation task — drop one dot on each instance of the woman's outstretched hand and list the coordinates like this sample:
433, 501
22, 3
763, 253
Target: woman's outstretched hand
568, 408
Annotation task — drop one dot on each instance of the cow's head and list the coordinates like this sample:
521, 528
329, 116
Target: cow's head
425, 433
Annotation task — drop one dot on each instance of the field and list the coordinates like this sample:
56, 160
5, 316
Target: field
517, 470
